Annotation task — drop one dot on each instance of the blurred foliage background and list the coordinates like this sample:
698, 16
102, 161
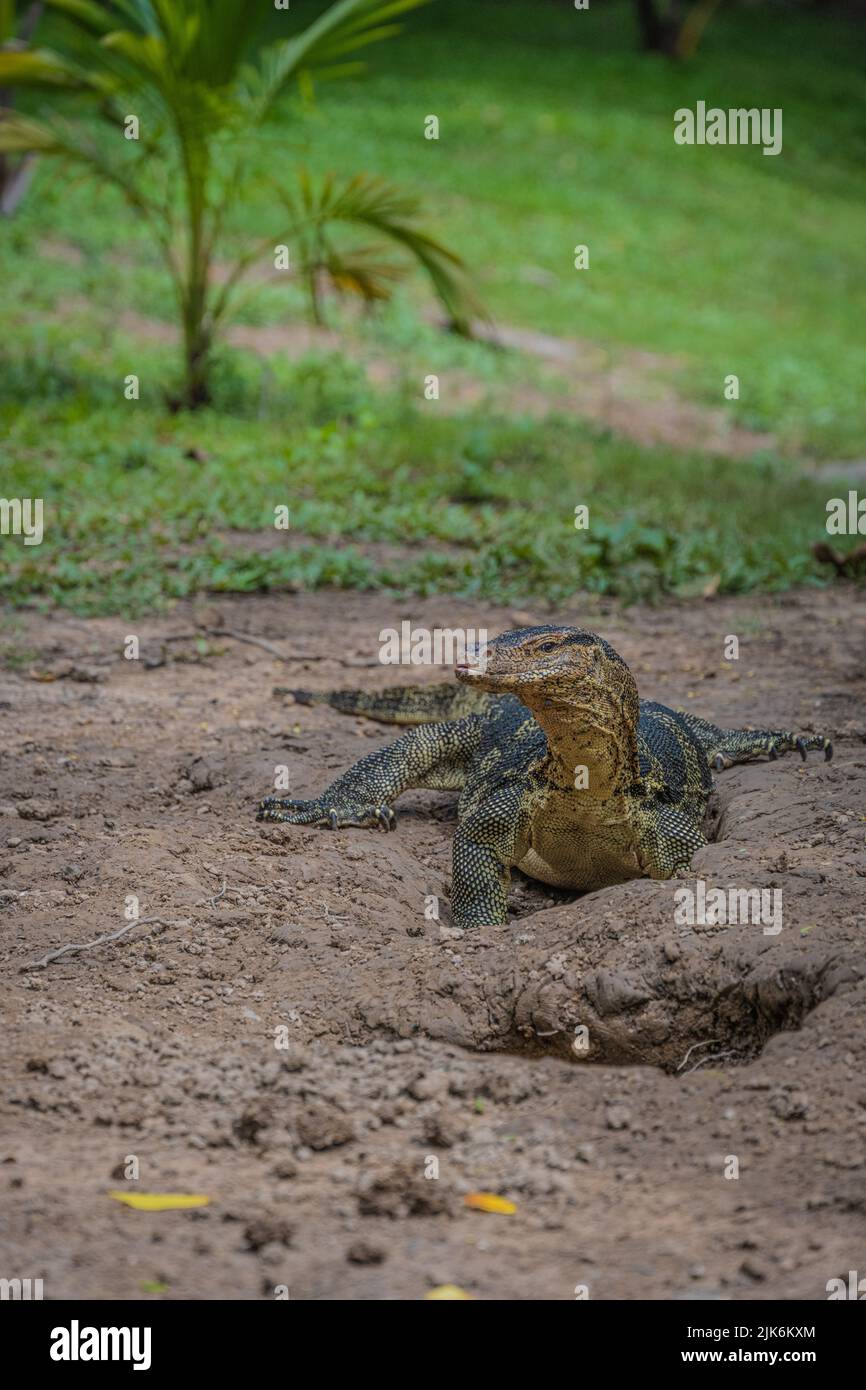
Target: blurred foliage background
555, 129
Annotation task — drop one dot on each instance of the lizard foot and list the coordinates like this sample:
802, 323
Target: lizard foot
746, 746
276, 808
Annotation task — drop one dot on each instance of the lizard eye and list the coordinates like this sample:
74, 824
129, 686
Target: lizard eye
547, 647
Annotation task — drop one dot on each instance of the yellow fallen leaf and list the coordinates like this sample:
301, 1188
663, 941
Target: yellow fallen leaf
160, 1201
489, 1201
448, 1291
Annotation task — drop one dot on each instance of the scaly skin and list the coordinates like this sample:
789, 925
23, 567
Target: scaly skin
562, 771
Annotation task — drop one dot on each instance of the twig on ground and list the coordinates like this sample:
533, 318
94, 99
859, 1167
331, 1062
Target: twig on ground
280, 656
253, 641
710, 1043
715, 1057
243, 637
102, 940
266, 646
212, 902
333, 916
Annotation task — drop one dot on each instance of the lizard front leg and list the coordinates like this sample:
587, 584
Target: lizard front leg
433, 755
667, 839
484, 851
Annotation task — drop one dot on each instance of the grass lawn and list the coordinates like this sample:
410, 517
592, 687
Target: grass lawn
554, 131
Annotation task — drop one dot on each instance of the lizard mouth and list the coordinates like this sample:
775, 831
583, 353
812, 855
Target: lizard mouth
474, 664
464, 672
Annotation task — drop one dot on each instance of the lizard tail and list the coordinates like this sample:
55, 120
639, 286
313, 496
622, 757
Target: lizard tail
401, 704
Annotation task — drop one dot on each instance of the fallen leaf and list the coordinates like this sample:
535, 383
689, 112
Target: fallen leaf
160, 1201
489, 1201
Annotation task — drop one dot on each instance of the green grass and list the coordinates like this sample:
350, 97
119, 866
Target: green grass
554, 131
479, 504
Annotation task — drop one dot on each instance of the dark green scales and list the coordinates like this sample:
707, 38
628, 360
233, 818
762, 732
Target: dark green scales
562, 771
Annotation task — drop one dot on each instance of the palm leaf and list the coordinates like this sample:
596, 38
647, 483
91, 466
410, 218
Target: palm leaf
360, 270
343, 28
40, 68
380, 206
22, 135
96, 18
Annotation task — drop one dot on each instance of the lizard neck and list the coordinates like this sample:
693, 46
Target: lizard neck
591, 738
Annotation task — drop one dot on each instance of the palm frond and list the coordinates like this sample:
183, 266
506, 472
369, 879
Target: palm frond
359, 270
98, 19
20, 134
392, 213
42, 69
343, 28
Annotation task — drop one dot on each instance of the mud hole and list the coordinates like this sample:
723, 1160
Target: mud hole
404, 1040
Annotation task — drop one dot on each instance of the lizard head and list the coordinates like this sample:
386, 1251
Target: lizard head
551, 663
581, 693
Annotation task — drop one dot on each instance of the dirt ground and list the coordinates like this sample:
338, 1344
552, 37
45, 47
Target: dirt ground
405, 1041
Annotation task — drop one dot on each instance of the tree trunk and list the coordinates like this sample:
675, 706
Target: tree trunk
197, 327
15, 175
196, 363
658, 34
14, 182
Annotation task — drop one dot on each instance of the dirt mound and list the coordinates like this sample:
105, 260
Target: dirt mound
294, 1028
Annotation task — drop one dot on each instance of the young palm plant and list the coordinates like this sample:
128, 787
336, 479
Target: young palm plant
199, 88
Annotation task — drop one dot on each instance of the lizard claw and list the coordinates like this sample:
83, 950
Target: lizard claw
276, 808
816, 741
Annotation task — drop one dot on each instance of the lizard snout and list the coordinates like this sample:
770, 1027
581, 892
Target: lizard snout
475, 663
